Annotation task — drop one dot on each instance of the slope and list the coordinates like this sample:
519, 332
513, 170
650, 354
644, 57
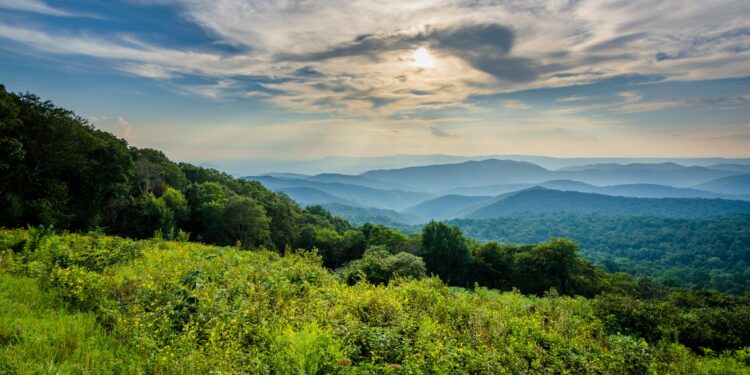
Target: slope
739, 184
539, 200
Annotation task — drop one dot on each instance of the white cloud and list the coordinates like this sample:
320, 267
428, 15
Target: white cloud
126, 130
148, 70
35, 6
213, 91
630, 96
571, 98
515, 104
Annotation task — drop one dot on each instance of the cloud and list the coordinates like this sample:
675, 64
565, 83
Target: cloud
35, 6
116, 125
616, 43
515, 104
485, 47
633, 102
725, 102
148, 70
213, 90
439, 132
571, 98
352, 58
658, 105
630, 96
126, 130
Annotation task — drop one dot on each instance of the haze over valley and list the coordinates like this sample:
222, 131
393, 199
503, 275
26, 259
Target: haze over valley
468, 189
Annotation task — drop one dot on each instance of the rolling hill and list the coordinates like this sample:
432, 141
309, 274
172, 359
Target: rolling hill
541, 200
452, 178
305, 196
349, 194
728, 185
470, 173
662, 174
362, 215
449, 206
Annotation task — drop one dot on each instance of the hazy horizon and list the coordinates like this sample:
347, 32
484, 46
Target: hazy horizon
356, 165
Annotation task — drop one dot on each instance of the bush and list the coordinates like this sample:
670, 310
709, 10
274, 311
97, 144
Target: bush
379, 266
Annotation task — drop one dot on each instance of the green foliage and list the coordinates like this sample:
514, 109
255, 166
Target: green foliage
56, 168
245, 221
378, 265
154, 306
535, 269
37, 336
103, 304
710, 252
309, 351
379, 235
445, 252
698, 320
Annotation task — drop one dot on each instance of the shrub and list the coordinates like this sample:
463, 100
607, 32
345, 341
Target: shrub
379, 266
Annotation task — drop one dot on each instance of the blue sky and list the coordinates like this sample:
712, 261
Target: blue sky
231, 79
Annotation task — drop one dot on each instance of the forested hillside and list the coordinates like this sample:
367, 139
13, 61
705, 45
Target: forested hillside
542, 200
59, 171
710, 252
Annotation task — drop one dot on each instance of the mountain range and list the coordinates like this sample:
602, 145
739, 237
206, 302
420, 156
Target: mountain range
494, 187
358, 165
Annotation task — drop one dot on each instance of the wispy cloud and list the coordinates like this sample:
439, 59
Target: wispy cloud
41, 7
439, 132
571, 98
35, 6
633, 102
354, 58
213, 90
515, 104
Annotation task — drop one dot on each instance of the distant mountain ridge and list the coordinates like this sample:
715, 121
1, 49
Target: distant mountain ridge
356, 195
470, 173
449, 206
492, 187
542, 200
739, 184
358, 165
499, 172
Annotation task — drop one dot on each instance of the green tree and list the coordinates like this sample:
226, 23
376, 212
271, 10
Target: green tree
445, 252
57, 169
245, 221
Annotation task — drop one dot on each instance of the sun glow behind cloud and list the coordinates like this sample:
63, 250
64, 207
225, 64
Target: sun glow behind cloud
423, 59
405, 72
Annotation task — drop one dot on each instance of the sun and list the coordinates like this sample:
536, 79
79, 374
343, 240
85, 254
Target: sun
422, 58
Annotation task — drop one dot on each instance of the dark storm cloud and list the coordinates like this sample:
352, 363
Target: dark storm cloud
485, 47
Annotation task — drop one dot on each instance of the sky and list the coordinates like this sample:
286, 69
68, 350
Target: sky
231, 80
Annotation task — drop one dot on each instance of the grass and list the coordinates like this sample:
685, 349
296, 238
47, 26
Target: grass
95, 304
39, 336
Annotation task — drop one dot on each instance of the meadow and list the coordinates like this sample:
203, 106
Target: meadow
92, 303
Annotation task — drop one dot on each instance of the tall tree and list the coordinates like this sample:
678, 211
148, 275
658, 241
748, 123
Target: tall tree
65, 173
445, 252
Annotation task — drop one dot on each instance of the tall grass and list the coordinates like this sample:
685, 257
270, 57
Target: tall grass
73, 303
